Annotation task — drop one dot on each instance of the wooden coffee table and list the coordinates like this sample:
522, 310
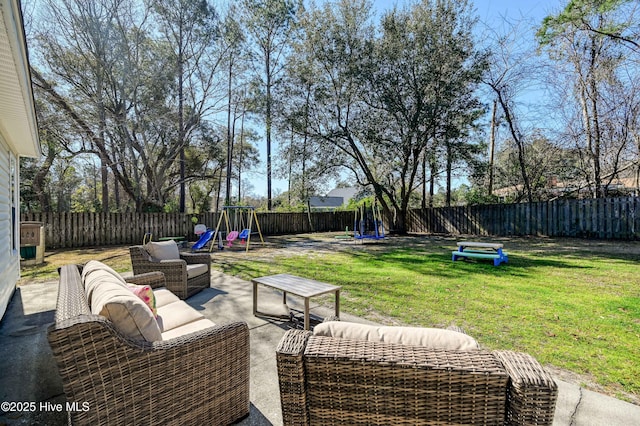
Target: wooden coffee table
298, 286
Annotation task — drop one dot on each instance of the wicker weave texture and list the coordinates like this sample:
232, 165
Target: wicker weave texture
175, 271
331, 381
532, 392
200, 378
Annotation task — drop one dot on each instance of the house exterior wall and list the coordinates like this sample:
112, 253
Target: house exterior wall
18, 138
9, 246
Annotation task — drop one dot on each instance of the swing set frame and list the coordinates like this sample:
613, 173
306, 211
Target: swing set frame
234, 232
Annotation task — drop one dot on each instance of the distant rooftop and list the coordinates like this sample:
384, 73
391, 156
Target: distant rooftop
337, 197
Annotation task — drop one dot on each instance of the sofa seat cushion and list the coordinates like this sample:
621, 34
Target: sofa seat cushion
163, 250
196, 269
432, 338
176, 314
129, 315
164, 297
188, 328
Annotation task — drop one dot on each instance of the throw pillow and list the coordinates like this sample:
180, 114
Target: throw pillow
145, 293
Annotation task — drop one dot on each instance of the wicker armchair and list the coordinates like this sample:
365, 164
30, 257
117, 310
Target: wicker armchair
175, 271
333, 381
198, 378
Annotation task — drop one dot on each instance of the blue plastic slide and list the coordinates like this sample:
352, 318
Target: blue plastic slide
204, 239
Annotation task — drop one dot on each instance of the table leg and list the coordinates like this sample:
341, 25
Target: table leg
284, 297
255, 299
306, 313
337, 304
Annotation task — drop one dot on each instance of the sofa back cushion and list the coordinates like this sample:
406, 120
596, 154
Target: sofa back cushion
163, 250
94, 273
128, 313
432, 338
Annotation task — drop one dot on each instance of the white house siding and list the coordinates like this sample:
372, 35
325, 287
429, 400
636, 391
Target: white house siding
18, 138
10, 257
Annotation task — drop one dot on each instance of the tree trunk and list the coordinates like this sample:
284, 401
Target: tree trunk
492, 146
227, 197
268, 123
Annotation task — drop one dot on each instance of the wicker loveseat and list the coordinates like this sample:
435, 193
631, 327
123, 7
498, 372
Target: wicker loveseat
197, 373
185, 273
338, 381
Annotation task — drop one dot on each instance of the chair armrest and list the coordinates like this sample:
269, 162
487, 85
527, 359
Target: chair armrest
200, 378
191, 258
152, 279
293, 396
531, 393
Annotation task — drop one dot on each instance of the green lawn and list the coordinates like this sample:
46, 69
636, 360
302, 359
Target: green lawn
576, 310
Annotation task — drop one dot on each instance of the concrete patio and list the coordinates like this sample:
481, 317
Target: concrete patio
28, 372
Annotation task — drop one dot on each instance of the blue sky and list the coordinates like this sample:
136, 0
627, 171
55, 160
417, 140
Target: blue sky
490, 12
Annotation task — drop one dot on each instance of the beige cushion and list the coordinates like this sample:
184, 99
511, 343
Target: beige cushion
164, 297
191, 327
432, 338
94, 273
195, 269
163, 250
129, 315
175, 315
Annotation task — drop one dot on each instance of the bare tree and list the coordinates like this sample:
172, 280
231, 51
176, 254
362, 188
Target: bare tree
269, 25
593, 44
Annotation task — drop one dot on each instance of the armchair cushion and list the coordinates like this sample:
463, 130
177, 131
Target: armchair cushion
430, 338
163, 250
197, 269
129, 315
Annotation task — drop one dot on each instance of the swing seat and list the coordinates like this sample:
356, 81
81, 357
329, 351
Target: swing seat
244, 234
233, 235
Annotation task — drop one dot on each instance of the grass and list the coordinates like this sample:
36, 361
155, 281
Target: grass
573, 304
116, 257
573, 309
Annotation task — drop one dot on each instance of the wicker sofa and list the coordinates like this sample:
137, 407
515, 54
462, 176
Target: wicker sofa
337, 381
185, 273
197, 373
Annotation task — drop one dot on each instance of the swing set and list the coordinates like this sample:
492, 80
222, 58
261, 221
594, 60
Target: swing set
369, 224
238, 222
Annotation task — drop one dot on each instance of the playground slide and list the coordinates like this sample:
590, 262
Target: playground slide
204, 239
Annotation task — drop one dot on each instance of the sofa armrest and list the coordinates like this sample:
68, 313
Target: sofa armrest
153, 279
199, 378
291, 377
531, 393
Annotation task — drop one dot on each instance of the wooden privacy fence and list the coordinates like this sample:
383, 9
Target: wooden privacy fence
72, 230
601, 218
604, 218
